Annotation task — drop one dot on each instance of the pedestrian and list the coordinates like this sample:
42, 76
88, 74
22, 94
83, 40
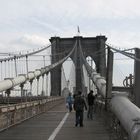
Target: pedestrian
69, 102
79, 104
90, 100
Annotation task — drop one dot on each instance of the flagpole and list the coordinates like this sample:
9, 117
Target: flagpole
78, 31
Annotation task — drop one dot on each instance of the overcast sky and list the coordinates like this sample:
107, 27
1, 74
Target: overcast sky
27, 24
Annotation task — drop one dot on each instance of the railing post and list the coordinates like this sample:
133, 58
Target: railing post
31, 82
21, 86
8, 95
42, 93
37, 85
46, 84
109, 75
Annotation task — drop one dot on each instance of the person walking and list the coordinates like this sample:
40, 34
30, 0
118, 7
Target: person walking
90, 100
79, 104
69, 102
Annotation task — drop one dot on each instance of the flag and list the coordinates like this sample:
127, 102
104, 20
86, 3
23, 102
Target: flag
78, 29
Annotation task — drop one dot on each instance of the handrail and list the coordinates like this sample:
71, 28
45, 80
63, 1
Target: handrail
127, 112
24, 55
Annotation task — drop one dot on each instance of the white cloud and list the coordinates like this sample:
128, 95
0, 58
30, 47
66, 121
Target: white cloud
73, 9
61, 17
124, 39
114, 9
31, 40
24, 43
3, 48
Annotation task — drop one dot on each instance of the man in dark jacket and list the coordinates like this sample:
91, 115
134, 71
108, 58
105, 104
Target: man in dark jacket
90, 99
79, 104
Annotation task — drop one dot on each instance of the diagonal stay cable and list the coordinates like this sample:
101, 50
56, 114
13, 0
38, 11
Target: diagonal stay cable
88, 67
52, 66
98, 80
10, 83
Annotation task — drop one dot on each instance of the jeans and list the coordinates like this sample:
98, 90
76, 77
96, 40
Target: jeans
90, 112
79, 117
70, 107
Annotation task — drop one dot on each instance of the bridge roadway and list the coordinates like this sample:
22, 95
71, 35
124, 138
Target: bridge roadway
57, 124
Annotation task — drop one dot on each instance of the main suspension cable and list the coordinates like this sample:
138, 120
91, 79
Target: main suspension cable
124, 53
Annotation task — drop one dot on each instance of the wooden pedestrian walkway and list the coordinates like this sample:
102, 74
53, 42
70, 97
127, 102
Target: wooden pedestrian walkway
58, 124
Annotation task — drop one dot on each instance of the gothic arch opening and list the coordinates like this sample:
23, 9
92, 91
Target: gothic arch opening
91, 62
88, 82
69, 69
89, 46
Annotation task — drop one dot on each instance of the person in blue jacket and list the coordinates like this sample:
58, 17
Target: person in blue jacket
69, 102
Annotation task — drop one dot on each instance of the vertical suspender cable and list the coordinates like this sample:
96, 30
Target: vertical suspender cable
46, 84
12, 67
37, 85
43, 76
31, 82
1, 71
15, 66
44, 60
27, 64
5, 69
9, 69
20, 66
23, 68
89, 77
42, 85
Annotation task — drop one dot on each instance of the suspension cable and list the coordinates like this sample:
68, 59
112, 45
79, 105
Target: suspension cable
124, 53
52, 66
27, 54
96, 78
37, 73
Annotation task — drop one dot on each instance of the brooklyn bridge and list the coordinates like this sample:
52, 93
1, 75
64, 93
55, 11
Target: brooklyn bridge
34, 86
